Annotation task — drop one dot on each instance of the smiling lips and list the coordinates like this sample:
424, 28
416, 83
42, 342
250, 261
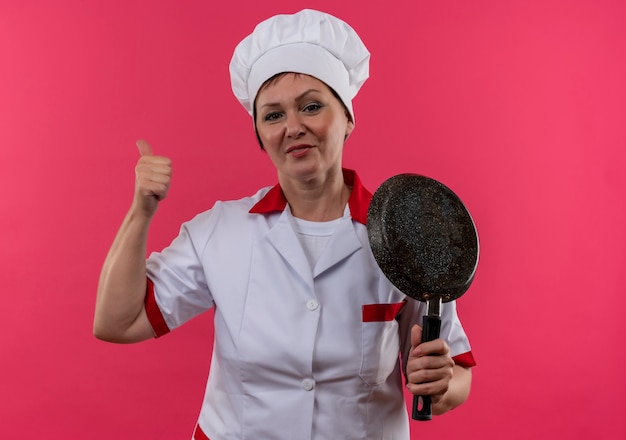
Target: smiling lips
299, 150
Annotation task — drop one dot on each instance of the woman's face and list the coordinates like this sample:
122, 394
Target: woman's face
302, 126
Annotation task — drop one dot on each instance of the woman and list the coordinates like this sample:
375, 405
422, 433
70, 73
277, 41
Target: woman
310, 337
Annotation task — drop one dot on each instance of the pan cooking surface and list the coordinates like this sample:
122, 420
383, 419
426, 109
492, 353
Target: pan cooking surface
422, 237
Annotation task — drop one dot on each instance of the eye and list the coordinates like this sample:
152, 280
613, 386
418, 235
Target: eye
312, 107
272, 116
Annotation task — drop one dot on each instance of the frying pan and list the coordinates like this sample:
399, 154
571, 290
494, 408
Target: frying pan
425, 242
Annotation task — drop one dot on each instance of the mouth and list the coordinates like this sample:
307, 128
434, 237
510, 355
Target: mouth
298, 150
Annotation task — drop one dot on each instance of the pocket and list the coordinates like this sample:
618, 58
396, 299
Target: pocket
380, 341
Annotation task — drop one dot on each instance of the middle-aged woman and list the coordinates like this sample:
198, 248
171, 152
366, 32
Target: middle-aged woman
311, 339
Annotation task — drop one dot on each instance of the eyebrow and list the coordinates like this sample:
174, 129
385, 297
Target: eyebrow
299, 97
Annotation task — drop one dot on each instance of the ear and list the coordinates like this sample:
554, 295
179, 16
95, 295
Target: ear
349, 128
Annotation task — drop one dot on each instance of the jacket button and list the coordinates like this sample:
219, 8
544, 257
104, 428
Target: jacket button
312, 304
308, 384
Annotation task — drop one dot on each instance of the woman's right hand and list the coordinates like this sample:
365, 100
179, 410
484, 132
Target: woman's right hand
152, 179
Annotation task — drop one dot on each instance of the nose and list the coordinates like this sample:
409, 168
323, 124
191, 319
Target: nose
294, 128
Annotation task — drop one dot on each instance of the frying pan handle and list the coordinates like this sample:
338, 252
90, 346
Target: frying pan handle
431, 325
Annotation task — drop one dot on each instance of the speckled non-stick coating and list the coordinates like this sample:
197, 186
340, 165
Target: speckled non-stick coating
422, 237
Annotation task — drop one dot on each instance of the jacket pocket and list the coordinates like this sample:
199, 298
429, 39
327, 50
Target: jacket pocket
380, 341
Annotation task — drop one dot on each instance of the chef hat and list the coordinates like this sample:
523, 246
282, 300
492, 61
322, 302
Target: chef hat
309, 42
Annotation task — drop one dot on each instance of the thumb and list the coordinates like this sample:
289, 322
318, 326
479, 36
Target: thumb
144, 148
416, 335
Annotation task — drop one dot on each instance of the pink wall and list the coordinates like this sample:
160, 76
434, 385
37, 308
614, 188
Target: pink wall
516, 105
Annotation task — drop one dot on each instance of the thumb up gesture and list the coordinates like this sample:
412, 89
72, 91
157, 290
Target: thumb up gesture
152, 179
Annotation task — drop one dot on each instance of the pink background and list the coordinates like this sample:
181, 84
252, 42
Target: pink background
516, 105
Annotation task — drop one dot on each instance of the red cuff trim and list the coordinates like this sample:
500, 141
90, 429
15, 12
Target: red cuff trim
199, 435
465, 360
381, 312
159, 326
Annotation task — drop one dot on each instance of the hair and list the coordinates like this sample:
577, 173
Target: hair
273, 80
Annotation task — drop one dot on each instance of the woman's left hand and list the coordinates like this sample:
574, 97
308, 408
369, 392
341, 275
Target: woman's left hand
429, 367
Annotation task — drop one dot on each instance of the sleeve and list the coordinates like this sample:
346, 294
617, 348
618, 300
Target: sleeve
451, 331
177, 289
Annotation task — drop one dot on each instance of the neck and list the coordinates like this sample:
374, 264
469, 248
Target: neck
317, 199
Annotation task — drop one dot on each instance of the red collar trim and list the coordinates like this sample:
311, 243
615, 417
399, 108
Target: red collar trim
358, 203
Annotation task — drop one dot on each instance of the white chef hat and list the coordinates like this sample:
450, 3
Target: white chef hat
309, 42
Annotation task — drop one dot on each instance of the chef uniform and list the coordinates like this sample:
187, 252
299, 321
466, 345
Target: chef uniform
310, 336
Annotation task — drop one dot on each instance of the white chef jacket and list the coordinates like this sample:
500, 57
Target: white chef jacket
298, 353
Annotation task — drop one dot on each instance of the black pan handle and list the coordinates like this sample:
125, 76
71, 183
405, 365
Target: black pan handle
422, 405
